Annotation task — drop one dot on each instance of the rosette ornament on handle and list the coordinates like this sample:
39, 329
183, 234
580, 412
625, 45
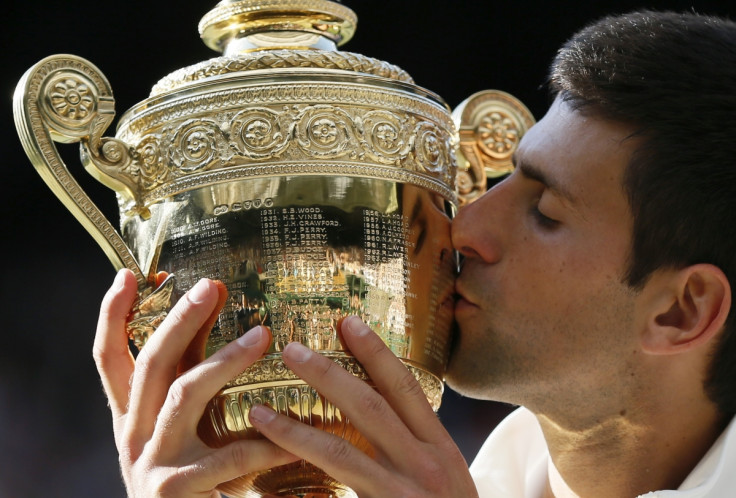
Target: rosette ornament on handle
66, 99
490, 125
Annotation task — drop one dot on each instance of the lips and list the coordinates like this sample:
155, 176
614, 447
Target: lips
462, 305
459, 292
462, 301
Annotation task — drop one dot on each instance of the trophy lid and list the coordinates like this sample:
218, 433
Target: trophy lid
282, 100
278, 34
239, 25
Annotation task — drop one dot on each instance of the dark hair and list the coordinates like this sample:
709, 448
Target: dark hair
672, 77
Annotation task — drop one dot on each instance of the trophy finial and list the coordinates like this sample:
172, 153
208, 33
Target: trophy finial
244, 25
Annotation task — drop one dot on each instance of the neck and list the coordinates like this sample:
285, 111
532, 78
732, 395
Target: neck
631, 452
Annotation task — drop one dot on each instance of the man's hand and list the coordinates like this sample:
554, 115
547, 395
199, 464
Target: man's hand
157, 399
414, 455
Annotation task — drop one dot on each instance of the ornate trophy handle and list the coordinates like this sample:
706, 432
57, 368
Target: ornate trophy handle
66, 99
490, 124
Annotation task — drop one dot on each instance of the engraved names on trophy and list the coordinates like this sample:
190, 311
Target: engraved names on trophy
300, 268
199, 249
306, 286
386, 275
311, 281
205, 235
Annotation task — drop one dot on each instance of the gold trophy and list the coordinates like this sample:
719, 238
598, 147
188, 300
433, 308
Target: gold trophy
313, 183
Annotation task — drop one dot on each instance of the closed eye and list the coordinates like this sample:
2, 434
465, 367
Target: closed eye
542, 220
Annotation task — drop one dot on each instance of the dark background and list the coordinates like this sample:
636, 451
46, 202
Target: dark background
55, 432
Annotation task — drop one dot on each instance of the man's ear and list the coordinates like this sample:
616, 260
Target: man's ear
688, 308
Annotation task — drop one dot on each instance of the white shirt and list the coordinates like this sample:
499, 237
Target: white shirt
514, 462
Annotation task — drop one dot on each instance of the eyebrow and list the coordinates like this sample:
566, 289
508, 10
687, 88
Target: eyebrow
532, 172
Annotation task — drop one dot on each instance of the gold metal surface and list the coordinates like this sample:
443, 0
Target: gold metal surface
66, 99
313, 183
280, 60
490, 125
240, 19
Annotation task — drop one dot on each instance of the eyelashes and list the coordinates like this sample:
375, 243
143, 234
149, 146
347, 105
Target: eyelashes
542, 220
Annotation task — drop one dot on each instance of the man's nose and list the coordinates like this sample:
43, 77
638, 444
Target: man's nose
478, 227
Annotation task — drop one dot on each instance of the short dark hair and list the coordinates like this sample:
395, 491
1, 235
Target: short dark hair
672, 77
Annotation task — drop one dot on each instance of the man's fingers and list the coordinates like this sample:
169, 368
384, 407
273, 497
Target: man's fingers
190, 393
383, 418
195, 351
393, 380
329, 452
156, 365
240, 458
110, 351
367, 410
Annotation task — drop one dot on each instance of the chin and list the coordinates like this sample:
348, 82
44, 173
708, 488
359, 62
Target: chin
469, 373
454, 351
468, 388
457, 375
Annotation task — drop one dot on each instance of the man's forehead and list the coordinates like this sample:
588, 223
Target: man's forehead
557, 184
577, 156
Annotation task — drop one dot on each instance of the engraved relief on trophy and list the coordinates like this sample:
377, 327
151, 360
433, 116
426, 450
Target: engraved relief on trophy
490, 125
71, 98
296, 132
312, 183
260, 133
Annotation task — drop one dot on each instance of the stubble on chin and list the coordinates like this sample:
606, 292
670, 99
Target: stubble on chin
472, 368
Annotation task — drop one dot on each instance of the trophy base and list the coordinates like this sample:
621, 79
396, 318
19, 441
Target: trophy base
269, 382
295, 480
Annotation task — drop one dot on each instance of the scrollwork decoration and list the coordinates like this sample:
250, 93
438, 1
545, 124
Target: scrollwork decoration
386, 136
197, 144
236, 139
150, 162
433, 152
325, 131
260, 133
491, 124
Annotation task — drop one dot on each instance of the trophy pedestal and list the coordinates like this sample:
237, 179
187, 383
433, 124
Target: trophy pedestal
270, 382
295, 480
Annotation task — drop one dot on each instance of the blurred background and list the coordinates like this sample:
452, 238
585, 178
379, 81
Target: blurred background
55, 430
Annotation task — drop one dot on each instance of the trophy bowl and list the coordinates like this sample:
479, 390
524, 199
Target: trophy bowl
312, 183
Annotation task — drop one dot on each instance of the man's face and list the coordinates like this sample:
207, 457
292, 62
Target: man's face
542, 311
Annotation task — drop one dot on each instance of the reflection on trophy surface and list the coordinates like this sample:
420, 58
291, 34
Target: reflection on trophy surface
313, 183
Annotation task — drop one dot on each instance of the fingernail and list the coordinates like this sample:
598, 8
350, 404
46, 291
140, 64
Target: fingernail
252, 337
356, 326
297, 352
262, 414
199, 292
119, 281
